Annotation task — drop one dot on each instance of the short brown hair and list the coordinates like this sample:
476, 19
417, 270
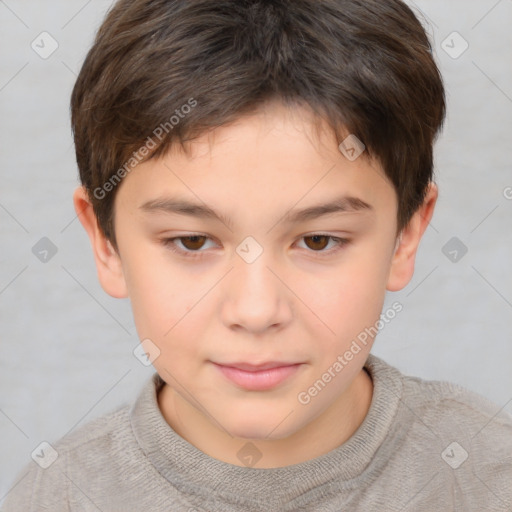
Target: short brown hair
365, 66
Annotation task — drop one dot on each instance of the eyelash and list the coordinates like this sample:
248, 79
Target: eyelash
169, 243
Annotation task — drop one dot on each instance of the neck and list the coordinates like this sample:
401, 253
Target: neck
328, 431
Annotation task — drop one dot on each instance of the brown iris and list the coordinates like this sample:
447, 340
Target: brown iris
318, 239
197, 241
194, 243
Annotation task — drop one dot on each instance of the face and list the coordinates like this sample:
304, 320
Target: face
271, 277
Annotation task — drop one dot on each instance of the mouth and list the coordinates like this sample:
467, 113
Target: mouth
258, 377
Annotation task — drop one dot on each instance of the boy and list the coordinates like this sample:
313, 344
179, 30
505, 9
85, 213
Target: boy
256, 254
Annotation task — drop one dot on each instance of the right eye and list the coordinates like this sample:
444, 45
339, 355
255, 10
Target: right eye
191, 243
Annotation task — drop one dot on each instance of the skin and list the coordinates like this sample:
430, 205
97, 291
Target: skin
301, 300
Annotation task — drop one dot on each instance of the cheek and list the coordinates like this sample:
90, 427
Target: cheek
159, 294
164, 312
172, 306
348, 300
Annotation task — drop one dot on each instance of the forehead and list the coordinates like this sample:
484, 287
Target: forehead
292, 123
274, 159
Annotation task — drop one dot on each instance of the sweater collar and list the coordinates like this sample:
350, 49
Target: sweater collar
195, 473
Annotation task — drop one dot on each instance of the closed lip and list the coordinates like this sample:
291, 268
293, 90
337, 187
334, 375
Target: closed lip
248, 367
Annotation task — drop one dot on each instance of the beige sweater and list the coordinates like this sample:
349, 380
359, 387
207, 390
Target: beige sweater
424, 446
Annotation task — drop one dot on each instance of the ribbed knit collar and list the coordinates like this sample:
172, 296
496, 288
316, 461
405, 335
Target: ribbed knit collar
195, 473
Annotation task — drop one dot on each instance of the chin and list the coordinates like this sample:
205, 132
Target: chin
261, 428
257, 433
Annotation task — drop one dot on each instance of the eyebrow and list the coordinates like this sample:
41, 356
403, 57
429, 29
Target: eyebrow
344, 204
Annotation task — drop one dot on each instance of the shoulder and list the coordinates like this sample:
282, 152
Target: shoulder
439, 403
101, 430
450, 444
436, 399
468, 434
46, 481
440, 400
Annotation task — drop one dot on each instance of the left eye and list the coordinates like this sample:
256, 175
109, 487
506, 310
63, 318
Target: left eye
322, 240
193, 243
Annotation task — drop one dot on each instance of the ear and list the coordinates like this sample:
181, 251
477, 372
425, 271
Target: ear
108, 262
402, 265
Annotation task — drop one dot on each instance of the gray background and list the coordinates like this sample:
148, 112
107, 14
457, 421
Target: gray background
67, 346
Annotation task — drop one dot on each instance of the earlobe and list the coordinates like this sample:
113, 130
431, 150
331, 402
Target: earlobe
108, 262
402, 265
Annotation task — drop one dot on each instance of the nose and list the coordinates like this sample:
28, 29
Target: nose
255, 296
